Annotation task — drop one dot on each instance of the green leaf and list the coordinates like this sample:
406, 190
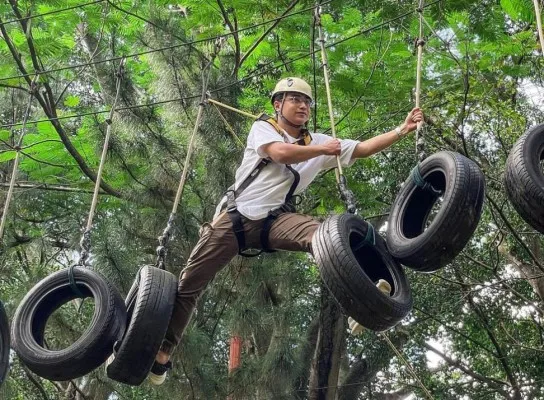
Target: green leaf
519, 9
7, 156
71, 101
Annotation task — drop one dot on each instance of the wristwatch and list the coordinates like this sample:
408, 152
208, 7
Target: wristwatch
398, 131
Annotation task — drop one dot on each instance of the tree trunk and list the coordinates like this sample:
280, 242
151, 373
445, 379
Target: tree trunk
306, 357
365, 369
327, 357
529, 271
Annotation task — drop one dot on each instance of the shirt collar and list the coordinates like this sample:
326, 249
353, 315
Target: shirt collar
304, 139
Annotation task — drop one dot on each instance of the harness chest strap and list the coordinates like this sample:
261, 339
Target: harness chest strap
232, 194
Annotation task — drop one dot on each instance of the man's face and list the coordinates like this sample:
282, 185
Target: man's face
296, 107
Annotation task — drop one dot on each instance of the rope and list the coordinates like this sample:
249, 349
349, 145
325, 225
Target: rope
162, 49
17, 148
410, 369
370, 238
314, 65
539, 25
327, 84
259, 72
51, 12
85, 242
420, 140
347, 195
420, 182
215, 102
165, 236
229, 127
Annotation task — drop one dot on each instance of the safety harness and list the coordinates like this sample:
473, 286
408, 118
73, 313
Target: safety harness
287, 206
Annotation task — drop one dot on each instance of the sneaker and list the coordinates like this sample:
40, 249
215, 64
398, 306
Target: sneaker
355, 327
384, 287
111, 358
158, 372
108, 362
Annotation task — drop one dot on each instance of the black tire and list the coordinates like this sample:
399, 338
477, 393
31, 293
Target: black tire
149, 303
4, 344
524, 177
427, 249
95, 344
350, 269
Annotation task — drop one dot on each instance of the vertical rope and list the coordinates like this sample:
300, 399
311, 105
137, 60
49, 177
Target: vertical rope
165, 236
347, 195
327, 85
539, 25
410, 369
85, 242
420, 140
15, 169
314, 63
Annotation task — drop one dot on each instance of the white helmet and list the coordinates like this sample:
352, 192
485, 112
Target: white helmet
296, 85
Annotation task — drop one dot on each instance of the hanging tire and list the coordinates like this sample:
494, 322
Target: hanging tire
149, 303
462, 187
4, 344
524, 177
350, 268
95, 344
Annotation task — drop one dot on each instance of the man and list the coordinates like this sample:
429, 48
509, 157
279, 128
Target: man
258, 212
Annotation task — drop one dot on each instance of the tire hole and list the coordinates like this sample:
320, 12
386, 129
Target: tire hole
71, 320
423, 206
435, 208
58, 311
370, 261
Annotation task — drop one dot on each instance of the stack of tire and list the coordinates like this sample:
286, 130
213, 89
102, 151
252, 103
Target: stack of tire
130, 330
352, 258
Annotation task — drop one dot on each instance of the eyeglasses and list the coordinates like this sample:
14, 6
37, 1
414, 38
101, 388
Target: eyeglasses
300, 99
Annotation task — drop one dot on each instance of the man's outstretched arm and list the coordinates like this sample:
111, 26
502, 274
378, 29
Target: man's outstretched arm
381, 142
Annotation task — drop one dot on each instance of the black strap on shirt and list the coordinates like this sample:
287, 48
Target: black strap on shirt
287, 206
236, 217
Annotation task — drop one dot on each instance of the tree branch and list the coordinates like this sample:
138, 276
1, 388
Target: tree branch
267, 31
51, 113
502, 358
237, 61
498, 384
46, 186
35, 381
514, 233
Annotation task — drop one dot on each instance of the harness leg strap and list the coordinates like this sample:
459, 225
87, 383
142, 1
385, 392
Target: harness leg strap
238, 228
239, 232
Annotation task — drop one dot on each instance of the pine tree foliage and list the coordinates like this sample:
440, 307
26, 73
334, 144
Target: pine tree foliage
476, 328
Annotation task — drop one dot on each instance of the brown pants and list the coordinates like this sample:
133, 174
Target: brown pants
216, 248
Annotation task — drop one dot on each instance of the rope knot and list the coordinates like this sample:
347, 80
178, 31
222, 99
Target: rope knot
33, 90
161, 251
422, 183
317, 15
121, 70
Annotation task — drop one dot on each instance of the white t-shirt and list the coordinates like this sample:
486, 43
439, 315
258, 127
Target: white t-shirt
267, 192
